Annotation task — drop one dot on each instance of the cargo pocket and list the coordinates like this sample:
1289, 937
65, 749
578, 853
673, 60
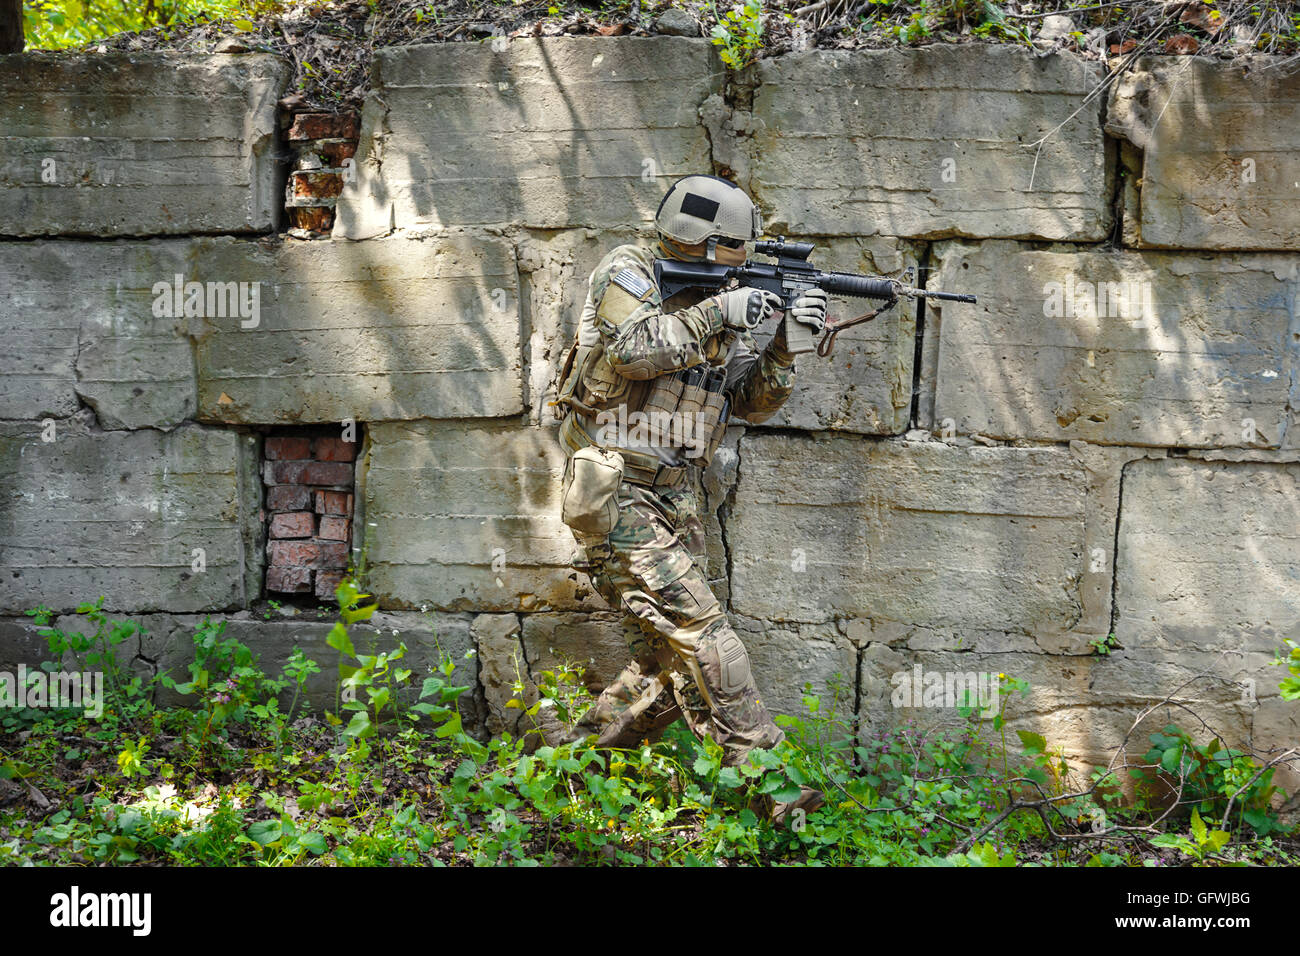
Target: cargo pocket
689, 598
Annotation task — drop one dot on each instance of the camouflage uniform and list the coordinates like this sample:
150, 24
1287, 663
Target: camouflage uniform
687, 660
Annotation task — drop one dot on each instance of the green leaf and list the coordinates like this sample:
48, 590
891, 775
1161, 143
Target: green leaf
1034, 743
362, 613
786, 793
265, 833
314, 842
1170, 758
359, 725
1198, 826
450, 728
729, 777
339, 640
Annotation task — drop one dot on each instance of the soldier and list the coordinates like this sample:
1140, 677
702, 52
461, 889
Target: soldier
645, 393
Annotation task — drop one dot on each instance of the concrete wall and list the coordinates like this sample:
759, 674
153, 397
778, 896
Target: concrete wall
1107, 443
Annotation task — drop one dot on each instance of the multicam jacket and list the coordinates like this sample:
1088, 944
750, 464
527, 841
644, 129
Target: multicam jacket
625, 341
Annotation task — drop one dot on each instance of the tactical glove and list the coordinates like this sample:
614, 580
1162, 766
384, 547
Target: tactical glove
810, 309
747, 308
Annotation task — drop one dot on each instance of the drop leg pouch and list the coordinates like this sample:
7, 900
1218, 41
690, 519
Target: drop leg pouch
589, 503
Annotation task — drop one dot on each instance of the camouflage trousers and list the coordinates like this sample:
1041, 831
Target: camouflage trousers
686, 660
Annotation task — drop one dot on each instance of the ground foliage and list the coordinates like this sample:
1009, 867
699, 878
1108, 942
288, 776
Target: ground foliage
390, 777
332, 43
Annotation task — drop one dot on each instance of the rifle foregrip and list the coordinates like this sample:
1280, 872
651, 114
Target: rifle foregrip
862, 287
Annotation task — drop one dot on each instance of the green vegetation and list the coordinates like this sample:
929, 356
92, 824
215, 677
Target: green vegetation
390, 776
738, 34
56, 24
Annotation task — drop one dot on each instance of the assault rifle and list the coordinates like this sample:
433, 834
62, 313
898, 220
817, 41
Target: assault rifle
788, 277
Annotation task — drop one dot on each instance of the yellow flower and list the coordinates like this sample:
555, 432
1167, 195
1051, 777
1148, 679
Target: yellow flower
611, 824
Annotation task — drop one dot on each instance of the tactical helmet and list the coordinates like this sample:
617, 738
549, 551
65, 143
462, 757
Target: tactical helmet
698, 207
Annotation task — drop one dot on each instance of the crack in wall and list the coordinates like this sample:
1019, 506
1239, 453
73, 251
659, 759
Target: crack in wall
1114, 564
923, 267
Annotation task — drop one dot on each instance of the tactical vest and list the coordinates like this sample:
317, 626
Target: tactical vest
689, 401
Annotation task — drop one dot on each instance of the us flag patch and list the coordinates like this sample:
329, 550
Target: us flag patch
633, 283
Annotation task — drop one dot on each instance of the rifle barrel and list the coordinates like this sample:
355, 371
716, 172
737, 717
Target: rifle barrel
949, 296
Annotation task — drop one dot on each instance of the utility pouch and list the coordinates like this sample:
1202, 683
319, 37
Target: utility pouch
665, 394
589, 502
719, 430
693, 392
714, 399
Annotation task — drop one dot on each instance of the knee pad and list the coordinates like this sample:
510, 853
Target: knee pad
722, 653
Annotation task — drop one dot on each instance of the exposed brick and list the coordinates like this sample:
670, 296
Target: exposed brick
327, 583
334, 528
288, 498
310, 473
333, 503
333, 154
323, 126
282, 448
299, 524
331, 555
312, 218
315, 184
299, 554
334, 449
292, 580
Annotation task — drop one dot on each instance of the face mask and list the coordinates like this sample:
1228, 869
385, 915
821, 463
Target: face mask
725, 255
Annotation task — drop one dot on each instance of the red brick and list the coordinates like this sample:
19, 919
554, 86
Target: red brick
333, 154
334, 528
327, 582
333, 555
323, 126
288, 498
311, 473
333, 449
311, 218
283, 448
297, 524
315, 184
333, 503
293, 554
291, 580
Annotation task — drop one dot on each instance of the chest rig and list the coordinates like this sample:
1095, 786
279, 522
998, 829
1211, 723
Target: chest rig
686, 408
